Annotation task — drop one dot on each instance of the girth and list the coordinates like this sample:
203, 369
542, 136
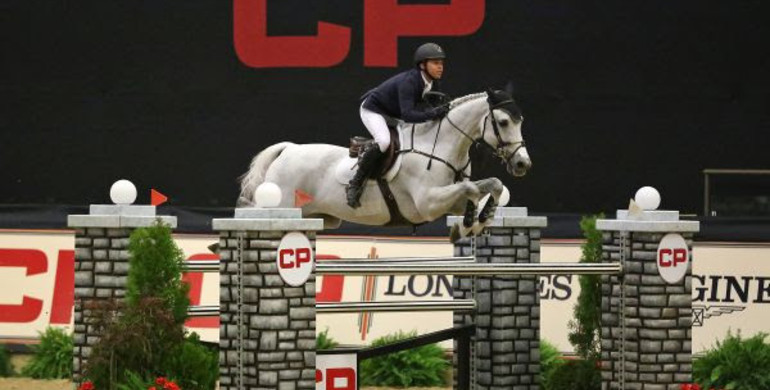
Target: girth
396, 218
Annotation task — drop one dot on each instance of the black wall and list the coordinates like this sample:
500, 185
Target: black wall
616, 95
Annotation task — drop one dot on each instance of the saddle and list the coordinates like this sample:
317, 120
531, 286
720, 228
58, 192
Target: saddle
357, 144
386, 162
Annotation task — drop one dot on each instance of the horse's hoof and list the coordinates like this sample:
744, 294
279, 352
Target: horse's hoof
487, 210
478, 228
469, 218
468, 222
470, 214
484, 217
454, 234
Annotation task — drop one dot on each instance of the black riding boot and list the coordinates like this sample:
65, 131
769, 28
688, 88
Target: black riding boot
369, 157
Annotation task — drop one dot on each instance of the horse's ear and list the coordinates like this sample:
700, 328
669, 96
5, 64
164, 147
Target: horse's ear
490, 94
509, 88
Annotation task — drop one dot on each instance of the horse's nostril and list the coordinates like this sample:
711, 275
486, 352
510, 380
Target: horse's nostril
520, 164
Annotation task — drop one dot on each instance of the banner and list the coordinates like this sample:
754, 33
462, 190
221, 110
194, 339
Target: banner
731, 287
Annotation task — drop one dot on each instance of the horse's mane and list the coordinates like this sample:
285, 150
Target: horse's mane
421, 127
462, 99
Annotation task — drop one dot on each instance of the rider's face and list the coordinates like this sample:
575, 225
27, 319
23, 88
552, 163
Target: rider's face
434, 68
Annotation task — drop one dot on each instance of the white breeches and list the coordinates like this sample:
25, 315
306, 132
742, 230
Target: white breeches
377, 126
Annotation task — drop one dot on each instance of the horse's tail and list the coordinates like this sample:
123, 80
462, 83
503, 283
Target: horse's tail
256, 174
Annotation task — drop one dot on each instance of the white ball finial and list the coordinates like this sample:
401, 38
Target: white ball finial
123, 192
268, 195
648, 198
505, 197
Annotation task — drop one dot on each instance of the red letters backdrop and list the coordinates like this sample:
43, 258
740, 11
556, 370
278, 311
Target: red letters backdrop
180, 95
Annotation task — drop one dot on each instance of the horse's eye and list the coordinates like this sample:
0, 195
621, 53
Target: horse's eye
503, 122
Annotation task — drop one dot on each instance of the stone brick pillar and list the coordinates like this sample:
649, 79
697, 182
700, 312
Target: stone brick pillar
101, 264
267, 327
648, 346
507, 339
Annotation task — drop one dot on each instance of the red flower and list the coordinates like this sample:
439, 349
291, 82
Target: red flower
87, 385
160, 381
151, 388
171, 386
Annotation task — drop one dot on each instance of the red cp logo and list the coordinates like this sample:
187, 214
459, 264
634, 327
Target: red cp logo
295, 259
673, 258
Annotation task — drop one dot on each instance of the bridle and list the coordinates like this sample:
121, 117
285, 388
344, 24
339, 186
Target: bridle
501, 144
498, 150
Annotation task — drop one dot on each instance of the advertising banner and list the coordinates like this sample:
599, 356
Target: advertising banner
731, 287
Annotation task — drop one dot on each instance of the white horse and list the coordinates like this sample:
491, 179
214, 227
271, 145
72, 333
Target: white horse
428, 180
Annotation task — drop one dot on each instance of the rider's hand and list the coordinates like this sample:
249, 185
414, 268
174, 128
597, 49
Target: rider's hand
438, 112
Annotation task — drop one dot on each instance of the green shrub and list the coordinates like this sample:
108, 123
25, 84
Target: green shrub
575, 375
550, 359
138, 339
156, 270
195, 364
143, 337
6, 369
735, 363
134, 381
52, 358
422, 366
323, 341
584, 329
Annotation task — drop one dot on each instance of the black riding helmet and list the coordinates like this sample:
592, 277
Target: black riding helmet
428, 51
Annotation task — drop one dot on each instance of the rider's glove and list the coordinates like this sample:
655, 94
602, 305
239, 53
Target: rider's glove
438, 112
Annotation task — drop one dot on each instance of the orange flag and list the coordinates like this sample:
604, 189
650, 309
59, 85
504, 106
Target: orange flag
156, 198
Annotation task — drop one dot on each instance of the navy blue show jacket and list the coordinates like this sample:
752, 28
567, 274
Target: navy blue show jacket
400, 97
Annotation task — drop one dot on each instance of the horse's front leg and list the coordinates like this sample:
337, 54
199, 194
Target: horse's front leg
492, 186
470, 213
450, 199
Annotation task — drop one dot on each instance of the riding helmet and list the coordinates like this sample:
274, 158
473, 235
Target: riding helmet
428, 51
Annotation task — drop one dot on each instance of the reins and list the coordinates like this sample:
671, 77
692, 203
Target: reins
499, 150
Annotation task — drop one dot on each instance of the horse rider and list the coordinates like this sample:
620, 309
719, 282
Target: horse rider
399, 97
